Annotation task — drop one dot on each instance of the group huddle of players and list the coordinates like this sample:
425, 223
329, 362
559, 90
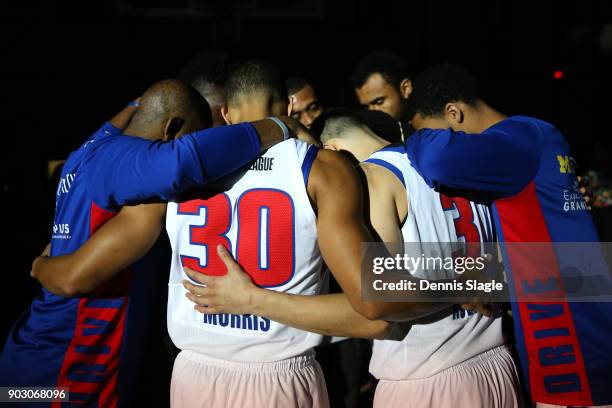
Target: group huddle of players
258, 210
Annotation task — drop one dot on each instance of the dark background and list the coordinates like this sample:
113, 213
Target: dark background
67, 66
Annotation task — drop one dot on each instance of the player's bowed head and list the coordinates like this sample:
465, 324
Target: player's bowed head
169, 109
446, 96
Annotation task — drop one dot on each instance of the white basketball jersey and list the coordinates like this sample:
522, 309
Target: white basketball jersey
267, 222
458, 335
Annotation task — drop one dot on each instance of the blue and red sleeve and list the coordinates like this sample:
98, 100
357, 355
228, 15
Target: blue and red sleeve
122, 170
497, 163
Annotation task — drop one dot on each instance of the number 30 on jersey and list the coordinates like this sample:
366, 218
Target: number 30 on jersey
265, 234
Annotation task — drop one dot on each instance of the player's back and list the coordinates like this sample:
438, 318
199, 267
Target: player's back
79, 342
434, 224
266, 220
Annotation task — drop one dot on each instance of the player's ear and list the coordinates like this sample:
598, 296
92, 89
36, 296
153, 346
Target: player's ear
406, 88
453, 113
226, 114
332, 144
173, 127
330, 147
290, 106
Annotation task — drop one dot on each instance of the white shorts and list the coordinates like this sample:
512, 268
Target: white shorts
199, 381
489, 380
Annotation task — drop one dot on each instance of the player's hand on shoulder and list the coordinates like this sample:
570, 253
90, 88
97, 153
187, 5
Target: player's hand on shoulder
232, 293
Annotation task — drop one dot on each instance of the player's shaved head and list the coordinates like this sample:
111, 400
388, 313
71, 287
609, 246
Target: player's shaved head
339, 123
341, 127
253, 91
355, 132
168, 109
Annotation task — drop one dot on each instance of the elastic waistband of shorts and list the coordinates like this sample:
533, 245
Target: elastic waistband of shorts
480, 358
299, 362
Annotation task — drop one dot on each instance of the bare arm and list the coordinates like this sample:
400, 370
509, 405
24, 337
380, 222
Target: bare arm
235, 293
388, 206
121, 120
330, 315
383, 203
342, 252
117, 244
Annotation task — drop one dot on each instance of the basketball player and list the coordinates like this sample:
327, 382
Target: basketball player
267, 218
383, 82
306, 107
524, 167
86, 343
457, 358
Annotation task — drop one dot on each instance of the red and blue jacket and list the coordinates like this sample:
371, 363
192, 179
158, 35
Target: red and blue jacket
92, 344
523, 167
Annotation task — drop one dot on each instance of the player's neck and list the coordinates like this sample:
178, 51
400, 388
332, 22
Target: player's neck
487, 116
143, 132
367, 145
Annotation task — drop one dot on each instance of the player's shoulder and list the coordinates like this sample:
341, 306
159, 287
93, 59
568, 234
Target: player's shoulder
329, 161
524, 119
393, 154
83, 153
391, 160
103, 133
331, 169
526, 125
382, 178
545, 129
528, 133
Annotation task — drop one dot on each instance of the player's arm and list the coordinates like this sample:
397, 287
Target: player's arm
387, 206
330, 314
117, 244
497, 163
126, 170
235, 293
341, 231
384, 218
122, 119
